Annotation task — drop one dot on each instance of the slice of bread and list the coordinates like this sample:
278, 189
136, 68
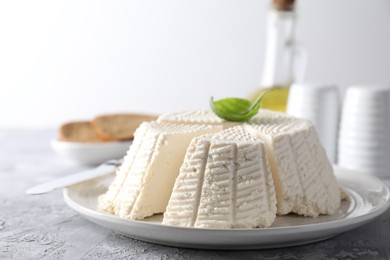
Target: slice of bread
119, 126
80, 131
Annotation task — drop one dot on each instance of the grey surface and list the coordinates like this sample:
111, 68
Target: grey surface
43, 227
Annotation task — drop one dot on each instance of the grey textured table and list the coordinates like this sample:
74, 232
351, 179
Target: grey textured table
43, 227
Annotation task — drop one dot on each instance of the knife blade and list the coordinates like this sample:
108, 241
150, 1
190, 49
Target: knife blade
103, 169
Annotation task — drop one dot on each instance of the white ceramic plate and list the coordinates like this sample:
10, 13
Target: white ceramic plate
90, 153
368, 198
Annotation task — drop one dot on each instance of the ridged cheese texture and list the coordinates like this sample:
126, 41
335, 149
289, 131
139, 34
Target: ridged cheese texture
144, 182
224, 182
199, 116
302, 174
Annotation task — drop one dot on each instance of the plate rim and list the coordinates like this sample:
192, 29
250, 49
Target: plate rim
373, 213
344, 224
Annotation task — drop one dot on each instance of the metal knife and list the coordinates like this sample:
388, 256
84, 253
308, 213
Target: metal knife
103, 169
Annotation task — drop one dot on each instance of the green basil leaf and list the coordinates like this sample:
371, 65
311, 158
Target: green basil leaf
237, 109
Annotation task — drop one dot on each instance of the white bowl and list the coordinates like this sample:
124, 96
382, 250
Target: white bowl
90, 153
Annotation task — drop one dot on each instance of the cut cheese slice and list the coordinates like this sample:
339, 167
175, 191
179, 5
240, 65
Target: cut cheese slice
144, 182
225, 182
302, 174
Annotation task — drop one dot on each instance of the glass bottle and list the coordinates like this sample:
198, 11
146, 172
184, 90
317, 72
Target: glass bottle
280, 54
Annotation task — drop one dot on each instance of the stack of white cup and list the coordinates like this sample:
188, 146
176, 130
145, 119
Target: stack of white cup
364, 140
321, 105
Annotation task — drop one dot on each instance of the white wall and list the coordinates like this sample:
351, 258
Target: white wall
62, 60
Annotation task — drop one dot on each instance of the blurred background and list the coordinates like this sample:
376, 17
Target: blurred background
65, 60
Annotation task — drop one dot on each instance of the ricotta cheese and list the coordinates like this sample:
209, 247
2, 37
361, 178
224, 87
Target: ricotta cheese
144, 182
223, 174
225, 182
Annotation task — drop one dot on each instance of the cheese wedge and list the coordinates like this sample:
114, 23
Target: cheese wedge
302, 174
144, 182
225, 182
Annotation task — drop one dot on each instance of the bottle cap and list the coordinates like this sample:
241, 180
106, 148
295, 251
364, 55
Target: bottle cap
283, 5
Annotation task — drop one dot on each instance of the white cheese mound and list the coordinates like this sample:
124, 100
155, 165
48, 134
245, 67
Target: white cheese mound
234, 175
144, 182
225, 182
